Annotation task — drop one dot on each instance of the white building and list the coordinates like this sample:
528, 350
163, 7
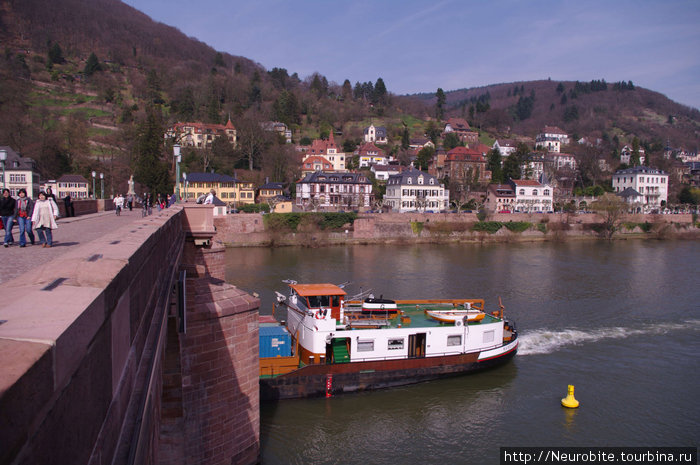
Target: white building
551, 138
415, 191
532, 196
505, 147
626, 155
70, 184
649, 182
334, 190
369, 154
382, 172
375, 134
19, 173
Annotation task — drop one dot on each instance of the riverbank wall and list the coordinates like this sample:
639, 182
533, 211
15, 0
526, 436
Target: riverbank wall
249, 230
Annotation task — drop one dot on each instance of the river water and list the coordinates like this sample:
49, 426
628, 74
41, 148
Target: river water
620, 321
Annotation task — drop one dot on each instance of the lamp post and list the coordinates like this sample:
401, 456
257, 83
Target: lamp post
176, 154
93, 185
102, 185
184, 181
3, 157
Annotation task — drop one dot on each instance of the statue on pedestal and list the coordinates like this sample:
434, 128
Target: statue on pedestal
131, 185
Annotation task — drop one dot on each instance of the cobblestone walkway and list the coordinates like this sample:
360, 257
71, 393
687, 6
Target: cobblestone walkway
71, 233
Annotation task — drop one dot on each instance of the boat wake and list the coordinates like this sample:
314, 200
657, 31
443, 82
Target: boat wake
544, 341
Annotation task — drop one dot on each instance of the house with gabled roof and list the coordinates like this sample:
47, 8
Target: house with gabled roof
500, 198
228, 188
369, 154
531, 196
314, 163
19, 173
415, 190
462, 164
551, 138
201, 135
505, 146
326, 149
376, 134
461, 128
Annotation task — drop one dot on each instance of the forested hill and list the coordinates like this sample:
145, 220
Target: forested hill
112, 30
82, 81
591, 109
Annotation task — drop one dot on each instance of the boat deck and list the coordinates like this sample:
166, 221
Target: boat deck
415, 312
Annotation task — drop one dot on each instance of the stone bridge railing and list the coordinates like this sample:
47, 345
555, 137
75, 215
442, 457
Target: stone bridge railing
84, 341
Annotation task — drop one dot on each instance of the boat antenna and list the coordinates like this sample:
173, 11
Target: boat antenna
500, 304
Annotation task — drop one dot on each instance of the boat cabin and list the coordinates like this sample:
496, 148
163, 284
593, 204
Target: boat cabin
319, 297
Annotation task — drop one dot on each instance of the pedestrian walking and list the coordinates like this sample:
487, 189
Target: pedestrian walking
24, 209
130, 201
68, 203
118, 204
44, 219
50, 194
7, 213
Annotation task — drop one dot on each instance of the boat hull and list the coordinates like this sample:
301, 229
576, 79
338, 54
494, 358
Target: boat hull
312, 380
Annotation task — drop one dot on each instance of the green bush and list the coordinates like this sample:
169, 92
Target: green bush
336, 220
541, 227
254, 208
291, 221
416, 227
490, 227
282, 221
517, 226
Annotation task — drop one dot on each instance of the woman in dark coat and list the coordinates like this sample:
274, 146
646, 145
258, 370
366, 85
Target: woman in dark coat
7, 212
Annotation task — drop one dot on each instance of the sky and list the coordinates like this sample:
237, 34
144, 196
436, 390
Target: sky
419, 46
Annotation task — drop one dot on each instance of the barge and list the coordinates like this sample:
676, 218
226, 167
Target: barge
328, 345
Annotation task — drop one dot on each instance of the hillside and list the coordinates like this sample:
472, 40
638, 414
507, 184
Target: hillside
84, 83
579, 110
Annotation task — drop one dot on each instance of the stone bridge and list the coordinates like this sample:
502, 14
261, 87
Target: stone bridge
122, 344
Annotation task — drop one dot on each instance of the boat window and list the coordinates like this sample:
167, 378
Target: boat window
395, 344
316, 301
454, 340
335, 301
488, 336
365, 345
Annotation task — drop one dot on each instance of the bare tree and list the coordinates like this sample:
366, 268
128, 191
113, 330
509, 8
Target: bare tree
611, 210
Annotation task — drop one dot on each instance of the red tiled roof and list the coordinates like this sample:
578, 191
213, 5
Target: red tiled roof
526, 182
552, 130
458, 124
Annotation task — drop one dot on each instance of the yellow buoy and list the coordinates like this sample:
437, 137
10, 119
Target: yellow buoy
570, 401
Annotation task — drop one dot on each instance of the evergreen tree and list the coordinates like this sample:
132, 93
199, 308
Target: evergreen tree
424, 156
219, 60
347, 90
405, 139
494, 159
451, 141
511, 167
92, 65
380, 95
440, 104
151, 171
55, 55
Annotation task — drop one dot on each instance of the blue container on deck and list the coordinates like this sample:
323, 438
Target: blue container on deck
275, 341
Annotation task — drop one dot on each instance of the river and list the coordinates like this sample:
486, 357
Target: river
618, 320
